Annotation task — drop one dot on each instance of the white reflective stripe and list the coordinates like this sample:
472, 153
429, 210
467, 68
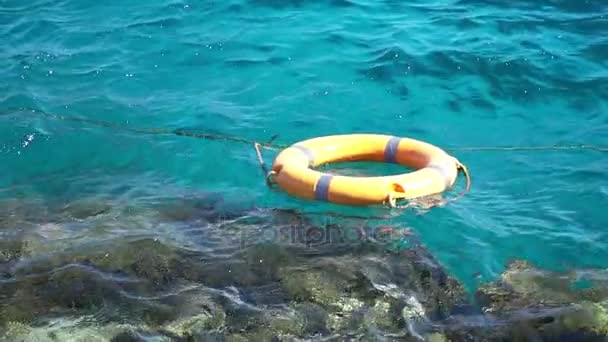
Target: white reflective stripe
307, 152
444, 170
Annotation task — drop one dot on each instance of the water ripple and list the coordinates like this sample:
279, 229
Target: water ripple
169, 210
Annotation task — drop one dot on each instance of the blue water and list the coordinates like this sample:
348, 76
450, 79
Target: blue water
455, 73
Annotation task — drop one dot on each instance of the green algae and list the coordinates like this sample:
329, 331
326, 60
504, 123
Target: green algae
310, 286
68, 331
139, 287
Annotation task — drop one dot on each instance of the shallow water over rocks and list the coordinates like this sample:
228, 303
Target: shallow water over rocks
206, 275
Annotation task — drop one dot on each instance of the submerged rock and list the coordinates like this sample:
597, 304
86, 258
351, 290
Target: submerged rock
196, 326
311, 286
522, 286
19, 302
314, 318
71, 330
527, 303
208, 207
12, 248
15, 331
306, 282
17, 214
372, 293
347, 315
86, 208
384, 315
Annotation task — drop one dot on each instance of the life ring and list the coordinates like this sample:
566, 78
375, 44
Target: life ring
292, 169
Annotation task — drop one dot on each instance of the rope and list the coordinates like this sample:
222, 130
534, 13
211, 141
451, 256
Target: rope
392, 200
260, 159
271, 145
153, 131
269, 174
597, 148
465, 171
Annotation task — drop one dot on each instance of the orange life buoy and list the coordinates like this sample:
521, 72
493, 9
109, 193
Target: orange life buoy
292, 169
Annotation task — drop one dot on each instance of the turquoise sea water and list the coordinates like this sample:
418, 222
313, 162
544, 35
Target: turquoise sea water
455, 73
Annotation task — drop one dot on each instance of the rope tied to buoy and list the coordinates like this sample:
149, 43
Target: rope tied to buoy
462, 168
392, 200
272, 145
269, 174
392, 197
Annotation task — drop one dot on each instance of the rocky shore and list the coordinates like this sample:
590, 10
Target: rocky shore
262, 276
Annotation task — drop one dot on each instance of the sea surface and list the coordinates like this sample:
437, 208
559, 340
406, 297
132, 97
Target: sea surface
93, 92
